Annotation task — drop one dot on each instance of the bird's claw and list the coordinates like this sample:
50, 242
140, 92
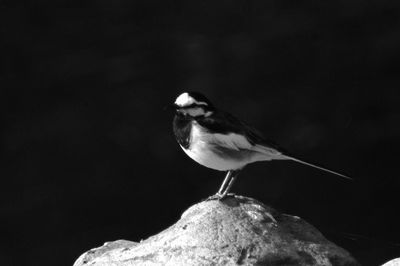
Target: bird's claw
216, 196
219, 196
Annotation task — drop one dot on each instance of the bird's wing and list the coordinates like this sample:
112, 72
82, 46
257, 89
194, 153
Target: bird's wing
232, 133
252, 135
232, 141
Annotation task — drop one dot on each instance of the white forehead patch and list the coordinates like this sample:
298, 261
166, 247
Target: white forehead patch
185, 100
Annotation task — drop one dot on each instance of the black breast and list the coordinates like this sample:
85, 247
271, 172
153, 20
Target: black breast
182, 128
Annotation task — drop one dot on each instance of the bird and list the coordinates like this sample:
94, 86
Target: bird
218, 140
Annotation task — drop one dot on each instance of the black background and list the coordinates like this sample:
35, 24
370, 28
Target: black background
88, 153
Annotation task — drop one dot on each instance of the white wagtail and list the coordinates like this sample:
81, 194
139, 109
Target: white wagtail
220, 141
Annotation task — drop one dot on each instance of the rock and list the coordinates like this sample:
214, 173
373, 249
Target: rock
234, 231
394, 262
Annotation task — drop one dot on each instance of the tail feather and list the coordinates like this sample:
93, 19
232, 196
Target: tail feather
318, 167
269, 153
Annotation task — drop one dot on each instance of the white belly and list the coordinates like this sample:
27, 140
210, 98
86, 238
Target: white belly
202, 154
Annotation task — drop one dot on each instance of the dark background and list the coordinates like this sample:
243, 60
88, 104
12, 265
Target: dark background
88, 153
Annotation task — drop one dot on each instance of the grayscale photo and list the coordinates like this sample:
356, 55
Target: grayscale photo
207, 133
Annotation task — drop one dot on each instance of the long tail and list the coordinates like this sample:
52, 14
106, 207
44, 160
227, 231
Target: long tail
274, 154
318, 167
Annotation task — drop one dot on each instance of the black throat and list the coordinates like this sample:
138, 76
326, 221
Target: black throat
182, 127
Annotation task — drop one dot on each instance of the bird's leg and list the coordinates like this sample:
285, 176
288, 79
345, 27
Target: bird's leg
226, 181
226, 185
234, 174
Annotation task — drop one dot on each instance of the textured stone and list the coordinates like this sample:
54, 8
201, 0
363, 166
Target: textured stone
235, 231
394, 262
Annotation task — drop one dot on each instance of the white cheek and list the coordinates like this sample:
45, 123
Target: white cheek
195, 111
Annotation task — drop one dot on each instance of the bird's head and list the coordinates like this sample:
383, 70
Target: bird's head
193, 104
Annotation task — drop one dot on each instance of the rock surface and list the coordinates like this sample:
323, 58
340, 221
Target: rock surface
234, 231
394, 262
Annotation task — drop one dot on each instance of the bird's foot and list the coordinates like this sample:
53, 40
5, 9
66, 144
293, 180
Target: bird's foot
220, 196
216, 196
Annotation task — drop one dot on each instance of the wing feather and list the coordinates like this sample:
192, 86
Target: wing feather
232, 141
241, 135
